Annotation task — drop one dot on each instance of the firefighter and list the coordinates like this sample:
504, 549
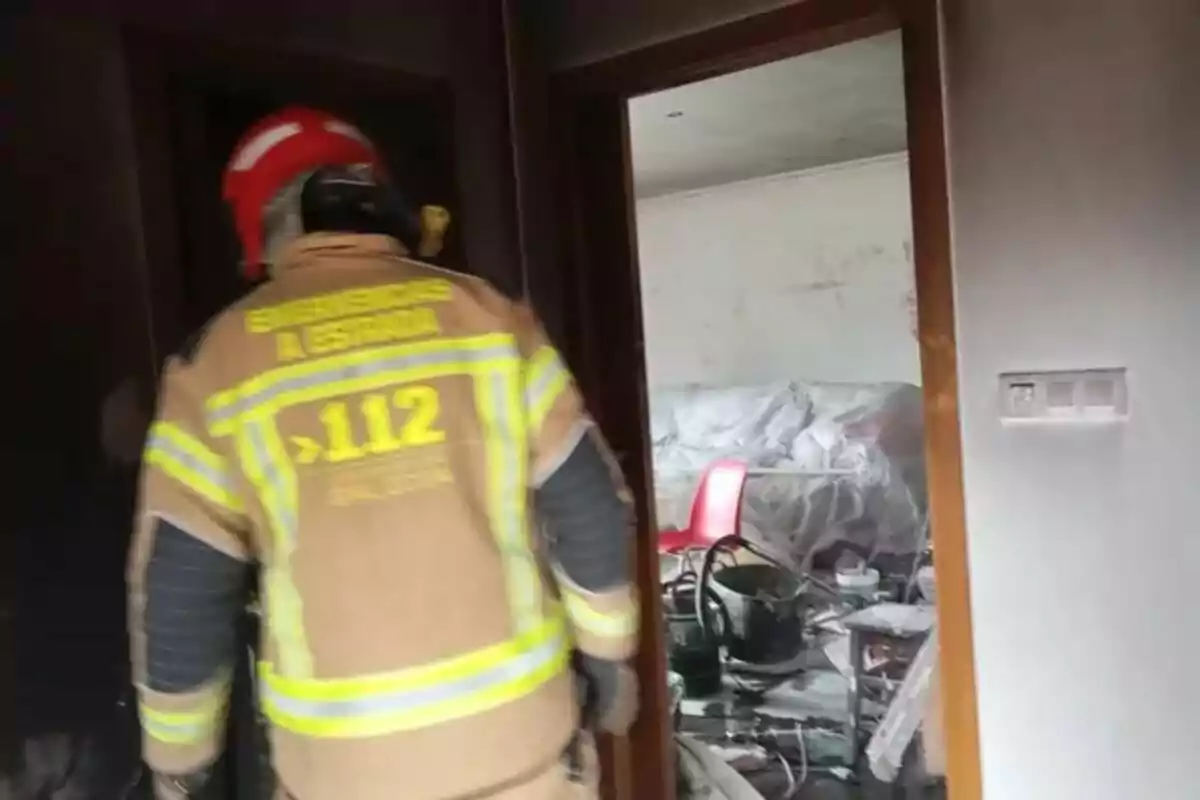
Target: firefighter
438, 529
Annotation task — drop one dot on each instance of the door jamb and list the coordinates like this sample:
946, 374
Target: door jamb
598, 261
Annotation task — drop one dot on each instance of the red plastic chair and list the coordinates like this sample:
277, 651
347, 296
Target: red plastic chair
716, 508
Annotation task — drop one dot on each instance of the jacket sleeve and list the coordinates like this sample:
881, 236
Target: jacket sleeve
188, 570
581, 501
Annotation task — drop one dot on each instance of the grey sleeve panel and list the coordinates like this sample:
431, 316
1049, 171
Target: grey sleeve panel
588, 526
194, 597
610, 692
571, 441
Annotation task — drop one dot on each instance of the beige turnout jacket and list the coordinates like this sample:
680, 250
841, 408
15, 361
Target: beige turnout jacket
366, 430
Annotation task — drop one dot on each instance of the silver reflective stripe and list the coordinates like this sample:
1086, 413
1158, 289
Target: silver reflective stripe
612, 625
275, 484
273, 479
167, 446
522, 576
262, 143
552, 370
513, 670
178, 726
344, 372
176, 731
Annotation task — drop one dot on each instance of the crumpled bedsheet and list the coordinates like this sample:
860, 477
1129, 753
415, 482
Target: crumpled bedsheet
872, 434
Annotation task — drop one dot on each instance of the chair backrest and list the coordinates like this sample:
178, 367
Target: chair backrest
717, 504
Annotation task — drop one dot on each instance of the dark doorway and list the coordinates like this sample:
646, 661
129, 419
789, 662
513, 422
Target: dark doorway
210, 105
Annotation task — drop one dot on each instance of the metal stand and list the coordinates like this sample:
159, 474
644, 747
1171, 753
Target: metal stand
873, 623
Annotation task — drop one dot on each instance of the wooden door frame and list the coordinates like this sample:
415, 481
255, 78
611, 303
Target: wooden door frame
598, 282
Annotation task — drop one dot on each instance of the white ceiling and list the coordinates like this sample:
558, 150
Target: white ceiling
834, 105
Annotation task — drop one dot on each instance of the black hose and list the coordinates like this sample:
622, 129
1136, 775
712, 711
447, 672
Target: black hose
703, 591
728, 544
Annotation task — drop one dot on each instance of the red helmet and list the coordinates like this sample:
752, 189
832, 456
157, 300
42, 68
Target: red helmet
274, 152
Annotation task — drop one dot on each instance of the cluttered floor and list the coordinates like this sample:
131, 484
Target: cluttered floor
828, 724
822, 788
798, 591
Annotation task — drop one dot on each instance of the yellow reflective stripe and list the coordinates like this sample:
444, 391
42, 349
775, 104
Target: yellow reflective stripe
186, 459
470, 684
182, 727
284, 604
498, 404
421, 696
362, 370
546, 378
270, 471
611, 626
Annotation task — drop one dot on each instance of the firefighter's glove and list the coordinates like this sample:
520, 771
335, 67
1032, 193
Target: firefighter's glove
611, 693
181, 787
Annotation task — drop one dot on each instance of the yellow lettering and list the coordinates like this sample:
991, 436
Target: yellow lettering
399, 483
347, 303
288, 347
419, 428
258, 320
365, 331
425, 404
309, 450
348, 494
327, 338
336, 419
380, 437
395, 478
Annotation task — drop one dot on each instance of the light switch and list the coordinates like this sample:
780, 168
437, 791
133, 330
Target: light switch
1022, 399
1092, 395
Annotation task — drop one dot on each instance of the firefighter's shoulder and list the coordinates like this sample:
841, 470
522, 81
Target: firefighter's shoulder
517, 313
190, 347
216, 328
474, 287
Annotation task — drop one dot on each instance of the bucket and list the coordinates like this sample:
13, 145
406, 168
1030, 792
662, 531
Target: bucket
692, 651
766, 611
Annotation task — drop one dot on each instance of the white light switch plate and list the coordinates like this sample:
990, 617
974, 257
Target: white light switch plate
1090, 395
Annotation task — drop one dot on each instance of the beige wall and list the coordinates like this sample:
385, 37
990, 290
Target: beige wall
1074, 146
